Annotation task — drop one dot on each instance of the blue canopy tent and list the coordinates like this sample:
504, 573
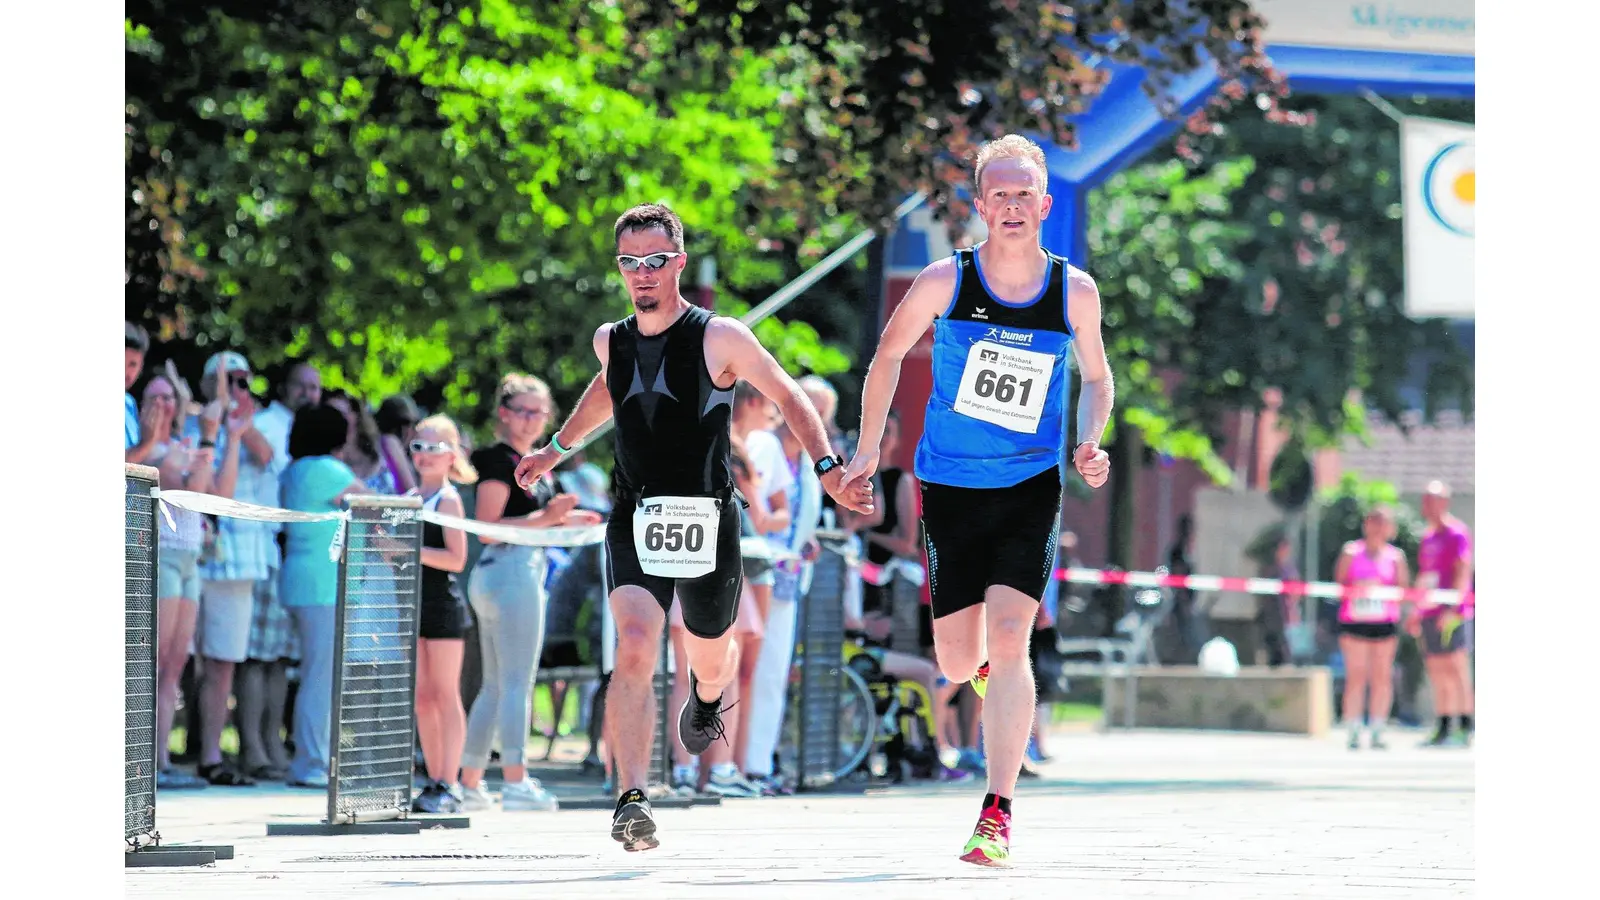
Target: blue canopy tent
1123, 125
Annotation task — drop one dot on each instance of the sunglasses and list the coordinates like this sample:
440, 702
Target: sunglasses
653, 261
239, 381
425, 447
526, 413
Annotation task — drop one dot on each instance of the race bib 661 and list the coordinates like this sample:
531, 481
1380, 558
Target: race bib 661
1005, 386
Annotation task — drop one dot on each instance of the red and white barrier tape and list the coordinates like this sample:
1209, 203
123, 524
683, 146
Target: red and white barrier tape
1325, 589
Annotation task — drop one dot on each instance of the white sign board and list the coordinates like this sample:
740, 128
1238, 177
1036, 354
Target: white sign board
1414, 26
1438, 179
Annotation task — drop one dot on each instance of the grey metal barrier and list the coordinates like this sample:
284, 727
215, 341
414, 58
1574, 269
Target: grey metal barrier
139, 604
819, 658
141, 567
375, 662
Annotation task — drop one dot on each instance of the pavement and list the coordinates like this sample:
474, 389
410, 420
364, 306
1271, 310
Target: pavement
1126, 814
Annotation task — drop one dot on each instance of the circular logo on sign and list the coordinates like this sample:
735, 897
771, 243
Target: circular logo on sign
1449, 188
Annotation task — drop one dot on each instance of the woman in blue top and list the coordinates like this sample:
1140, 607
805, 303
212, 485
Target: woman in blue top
316, 481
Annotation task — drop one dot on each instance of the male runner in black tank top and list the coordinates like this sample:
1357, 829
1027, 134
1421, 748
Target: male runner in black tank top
667, 374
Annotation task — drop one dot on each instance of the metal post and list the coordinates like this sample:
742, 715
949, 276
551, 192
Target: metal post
141, 569
371, 794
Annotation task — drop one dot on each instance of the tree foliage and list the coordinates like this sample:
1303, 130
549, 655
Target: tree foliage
895, 98
420, 195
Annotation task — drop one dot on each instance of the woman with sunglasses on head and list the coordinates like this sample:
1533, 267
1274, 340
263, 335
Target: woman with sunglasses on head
396, 421
507, 593
441, 721
362, 452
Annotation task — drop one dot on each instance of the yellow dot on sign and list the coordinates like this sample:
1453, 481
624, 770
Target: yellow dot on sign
1466, 187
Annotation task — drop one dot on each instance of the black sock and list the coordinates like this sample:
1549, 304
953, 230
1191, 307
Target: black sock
630, 796
1003, 802
1444, 725
1466, 722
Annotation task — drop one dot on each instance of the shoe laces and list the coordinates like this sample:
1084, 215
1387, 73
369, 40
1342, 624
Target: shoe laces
992, 825
707, 716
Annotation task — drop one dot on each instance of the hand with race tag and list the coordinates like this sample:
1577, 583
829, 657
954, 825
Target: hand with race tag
1093, 463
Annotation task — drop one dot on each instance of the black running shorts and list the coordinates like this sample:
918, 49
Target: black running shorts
977, 537
710, 602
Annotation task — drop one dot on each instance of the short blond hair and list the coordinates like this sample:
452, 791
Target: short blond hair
1012, 146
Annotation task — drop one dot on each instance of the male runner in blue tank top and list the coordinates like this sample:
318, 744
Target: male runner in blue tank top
667, 375
1004, 316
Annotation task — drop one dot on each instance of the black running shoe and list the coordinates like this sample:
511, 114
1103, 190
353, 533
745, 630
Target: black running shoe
632, 826
699, 722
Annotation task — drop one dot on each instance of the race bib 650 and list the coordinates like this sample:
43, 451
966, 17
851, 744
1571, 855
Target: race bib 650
676, 537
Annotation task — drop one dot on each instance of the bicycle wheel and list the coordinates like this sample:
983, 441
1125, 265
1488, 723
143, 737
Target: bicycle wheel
857, 729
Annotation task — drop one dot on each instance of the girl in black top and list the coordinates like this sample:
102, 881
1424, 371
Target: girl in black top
507, 594
443, 619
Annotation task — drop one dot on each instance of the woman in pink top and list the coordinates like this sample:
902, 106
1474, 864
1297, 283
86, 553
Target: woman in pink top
1368, 625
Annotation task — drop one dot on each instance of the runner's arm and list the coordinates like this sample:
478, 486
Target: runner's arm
1098, 393
742, 356
928, 297
594, 407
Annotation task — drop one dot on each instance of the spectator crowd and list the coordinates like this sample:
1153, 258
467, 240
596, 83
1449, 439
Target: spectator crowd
246, 607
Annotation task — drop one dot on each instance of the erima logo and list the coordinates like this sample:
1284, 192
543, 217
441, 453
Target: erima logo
980, 312
1021, 337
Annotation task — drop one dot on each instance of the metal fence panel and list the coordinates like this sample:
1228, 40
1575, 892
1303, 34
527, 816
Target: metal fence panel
139, 608
374, 722
820, 654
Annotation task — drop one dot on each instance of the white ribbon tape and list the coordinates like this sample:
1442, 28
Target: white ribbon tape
211, 504
336, 548
234, 509
574, 536
751, 547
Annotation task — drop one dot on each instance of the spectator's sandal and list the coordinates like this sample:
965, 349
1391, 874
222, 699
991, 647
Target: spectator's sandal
224, 775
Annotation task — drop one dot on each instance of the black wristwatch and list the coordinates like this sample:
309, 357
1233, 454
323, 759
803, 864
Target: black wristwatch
827, 464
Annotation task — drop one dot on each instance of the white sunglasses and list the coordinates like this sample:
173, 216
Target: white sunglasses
653, 261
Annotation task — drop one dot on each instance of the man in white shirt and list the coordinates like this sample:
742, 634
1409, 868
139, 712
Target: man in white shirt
301, 387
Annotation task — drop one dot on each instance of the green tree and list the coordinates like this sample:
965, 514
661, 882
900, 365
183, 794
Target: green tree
1319, 309
896, 97
420, 195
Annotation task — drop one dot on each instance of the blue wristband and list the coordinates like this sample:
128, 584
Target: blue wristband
557, 444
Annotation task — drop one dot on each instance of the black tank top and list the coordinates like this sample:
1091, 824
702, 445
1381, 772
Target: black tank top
438, 586
891, 516
672, 421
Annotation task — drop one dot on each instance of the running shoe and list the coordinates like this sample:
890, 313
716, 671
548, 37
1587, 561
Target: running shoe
632, 825
527, 794
731, 784
991, 840
947, 775
970, 760
980, 680
699, 722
